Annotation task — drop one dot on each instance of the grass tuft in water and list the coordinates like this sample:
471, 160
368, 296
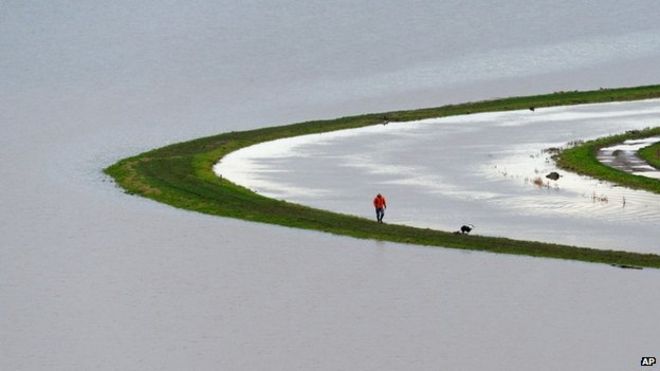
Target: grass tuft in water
651, 154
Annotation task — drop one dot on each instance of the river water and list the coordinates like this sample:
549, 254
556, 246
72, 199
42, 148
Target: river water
91, 278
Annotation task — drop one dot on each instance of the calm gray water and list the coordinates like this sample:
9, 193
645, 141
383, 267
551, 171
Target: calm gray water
93, 279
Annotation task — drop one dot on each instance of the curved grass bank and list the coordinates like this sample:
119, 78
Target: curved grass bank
582, 159
181, 175
651, 154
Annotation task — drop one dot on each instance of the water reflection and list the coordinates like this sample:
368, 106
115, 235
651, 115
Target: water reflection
493, 170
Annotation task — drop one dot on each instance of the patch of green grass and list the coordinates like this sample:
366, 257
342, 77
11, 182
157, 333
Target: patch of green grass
651, 154
181, 175
582, 159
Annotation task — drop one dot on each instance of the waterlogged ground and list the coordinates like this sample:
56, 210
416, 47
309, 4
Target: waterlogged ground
485, 169
93, 279
624, 157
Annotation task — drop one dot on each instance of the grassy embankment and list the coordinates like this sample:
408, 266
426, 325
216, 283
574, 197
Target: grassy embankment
181, 175
582, 159
651, 154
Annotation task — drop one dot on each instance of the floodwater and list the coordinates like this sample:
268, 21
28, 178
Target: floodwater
623, 156
484, 169
91, 278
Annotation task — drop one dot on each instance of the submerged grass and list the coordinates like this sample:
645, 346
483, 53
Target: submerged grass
582, 159
651, 154
181, 175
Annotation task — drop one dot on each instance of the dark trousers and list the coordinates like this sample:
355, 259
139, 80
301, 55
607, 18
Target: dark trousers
380, 213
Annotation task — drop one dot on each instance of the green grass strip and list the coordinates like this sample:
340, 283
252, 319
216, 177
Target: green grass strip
582, 159
181, 175
651, 154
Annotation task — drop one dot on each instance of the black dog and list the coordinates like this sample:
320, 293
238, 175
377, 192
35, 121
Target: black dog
466, 229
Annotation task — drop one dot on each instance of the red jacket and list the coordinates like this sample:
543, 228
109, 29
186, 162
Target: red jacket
379, 202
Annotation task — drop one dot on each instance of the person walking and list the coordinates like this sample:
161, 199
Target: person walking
380, 205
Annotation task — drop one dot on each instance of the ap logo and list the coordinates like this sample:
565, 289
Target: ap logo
648, 361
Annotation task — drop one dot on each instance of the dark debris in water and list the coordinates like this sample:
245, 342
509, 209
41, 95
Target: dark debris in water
624, 266
553, 175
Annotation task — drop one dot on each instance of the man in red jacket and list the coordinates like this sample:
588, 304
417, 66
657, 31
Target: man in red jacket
380, 205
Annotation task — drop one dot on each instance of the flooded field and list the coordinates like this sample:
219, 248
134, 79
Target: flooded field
487, 169
624, 157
